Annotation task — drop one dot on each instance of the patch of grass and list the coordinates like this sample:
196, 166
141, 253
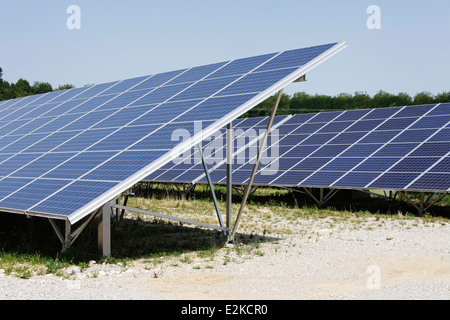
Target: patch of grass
29, 247
209, 253
28, 265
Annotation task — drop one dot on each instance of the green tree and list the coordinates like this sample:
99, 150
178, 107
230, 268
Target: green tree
423, 98
361, 100
265, 108
403, 99
342, 101
383, 99
65, 87
442, 97
23, 88
41, 87
302, 102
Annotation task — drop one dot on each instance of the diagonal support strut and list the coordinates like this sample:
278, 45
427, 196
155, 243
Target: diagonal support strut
255, 168
211, 187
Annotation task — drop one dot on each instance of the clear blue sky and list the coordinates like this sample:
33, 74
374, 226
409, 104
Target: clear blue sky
124, 39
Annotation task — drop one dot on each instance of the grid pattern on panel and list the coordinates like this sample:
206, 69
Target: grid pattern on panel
62, 150
400, 148
386, 149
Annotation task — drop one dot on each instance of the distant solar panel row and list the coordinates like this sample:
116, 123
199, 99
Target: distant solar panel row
401, 148
65, 153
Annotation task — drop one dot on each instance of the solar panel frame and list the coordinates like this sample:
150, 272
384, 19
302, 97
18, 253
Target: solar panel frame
185, 145
33, 105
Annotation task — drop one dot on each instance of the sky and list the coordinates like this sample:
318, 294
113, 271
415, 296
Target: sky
116, 40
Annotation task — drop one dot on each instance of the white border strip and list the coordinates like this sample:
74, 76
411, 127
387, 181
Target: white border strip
138, 176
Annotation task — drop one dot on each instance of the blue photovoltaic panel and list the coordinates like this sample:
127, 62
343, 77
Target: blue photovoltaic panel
294, 58
387, 148
66, 153
436, 181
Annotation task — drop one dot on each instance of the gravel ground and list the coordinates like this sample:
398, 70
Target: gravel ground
386, 260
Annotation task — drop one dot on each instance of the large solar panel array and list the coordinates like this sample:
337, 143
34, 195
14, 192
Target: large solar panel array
64, 154
400, 148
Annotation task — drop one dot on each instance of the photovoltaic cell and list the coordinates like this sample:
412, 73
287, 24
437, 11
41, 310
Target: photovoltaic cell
240, 66
436, 181
32, 193
72, 197
355, 179
294, 58
442, 166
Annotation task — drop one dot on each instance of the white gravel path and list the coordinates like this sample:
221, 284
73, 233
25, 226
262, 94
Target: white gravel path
388, 261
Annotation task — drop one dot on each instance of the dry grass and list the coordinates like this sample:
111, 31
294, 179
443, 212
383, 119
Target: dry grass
26, 249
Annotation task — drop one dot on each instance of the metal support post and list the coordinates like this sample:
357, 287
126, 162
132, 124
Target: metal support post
183, 188
104, 231
116, 212
322, 199
309, 192
329, 195
422, 204
420, 208
229, 176
58, 234
122, 213
69, 237
66, 240
163, 216
428, 203
213, 194
255, 167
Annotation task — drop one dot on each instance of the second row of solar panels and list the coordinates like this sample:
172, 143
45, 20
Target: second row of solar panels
400, 148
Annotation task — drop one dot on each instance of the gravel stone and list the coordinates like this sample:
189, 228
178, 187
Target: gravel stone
388, 261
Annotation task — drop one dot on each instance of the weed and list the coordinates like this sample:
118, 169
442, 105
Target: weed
208, 253
226, 259
186, 259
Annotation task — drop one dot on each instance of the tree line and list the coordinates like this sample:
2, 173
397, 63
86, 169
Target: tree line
23, 88
300, 102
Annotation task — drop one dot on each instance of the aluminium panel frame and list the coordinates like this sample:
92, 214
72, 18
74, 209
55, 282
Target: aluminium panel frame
189, 143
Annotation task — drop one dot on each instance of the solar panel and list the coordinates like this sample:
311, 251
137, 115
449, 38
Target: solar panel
64, 154
384, 153
400, 148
